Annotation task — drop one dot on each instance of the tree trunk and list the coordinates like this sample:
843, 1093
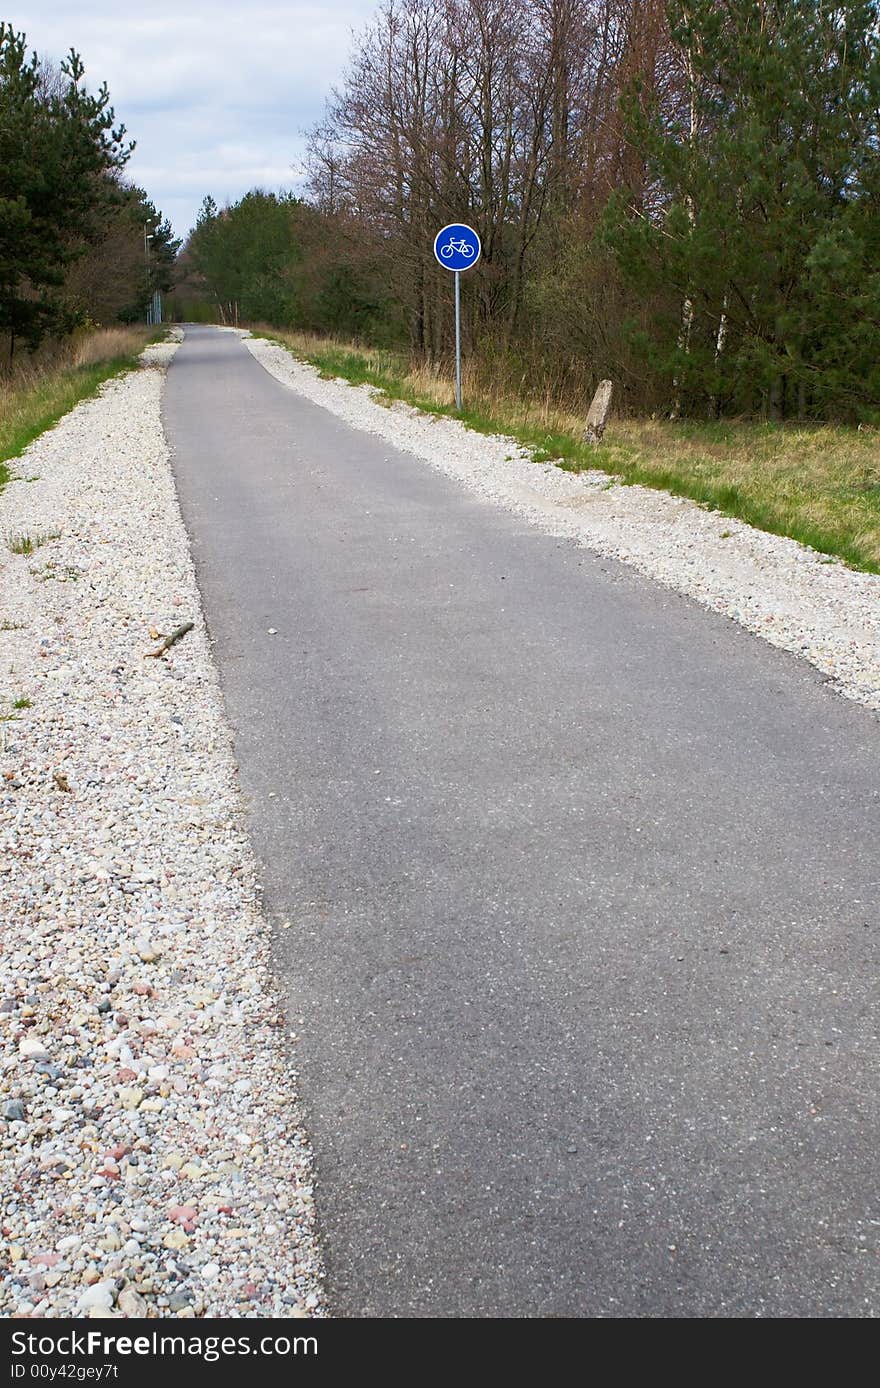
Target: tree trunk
687, 308
720, 342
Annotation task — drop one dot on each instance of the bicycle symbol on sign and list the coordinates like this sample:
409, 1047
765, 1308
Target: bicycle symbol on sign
463, 247
457, 249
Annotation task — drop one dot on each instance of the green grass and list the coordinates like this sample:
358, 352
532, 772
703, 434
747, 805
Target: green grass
26, 544
818, 484
60, 574
37, 408
15, 707
42, 390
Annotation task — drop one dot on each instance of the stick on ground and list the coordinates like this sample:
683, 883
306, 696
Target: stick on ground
170, 640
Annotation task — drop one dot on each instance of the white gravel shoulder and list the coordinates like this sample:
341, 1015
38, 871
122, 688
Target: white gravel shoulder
783, 592
153, 1161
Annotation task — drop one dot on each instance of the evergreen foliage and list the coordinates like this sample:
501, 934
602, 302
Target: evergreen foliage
758, 225
273, 258
682, 196
60, 157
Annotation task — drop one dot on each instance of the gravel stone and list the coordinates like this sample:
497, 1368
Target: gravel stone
787, 594
131, 1304
134, 961
98, 1297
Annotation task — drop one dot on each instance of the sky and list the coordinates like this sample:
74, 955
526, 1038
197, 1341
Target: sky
217, 95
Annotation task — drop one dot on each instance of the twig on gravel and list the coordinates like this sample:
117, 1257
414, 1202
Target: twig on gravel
169, 641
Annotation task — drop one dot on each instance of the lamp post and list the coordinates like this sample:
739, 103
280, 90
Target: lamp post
148, 236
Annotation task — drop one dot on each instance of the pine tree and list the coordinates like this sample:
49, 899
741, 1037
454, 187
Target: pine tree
765, 223
115, 276
59, 154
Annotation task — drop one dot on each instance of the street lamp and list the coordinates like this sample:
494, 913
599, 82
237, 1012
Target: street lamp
148, 236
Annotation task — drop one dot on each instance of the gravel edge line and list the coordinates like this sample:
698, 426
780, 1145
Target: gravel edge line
777, 588
153, 1161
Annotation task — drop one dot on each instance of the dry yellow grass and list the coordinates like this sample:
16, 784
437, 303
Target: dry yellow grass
109, 344
41, 388
819, 484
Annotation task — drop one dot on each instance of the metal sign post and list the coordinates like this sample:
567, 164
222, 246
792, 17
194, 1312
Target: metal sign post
457, 247
458, 340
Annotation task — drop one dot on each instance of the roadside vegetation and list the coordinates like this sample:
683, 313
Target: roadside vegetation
47, 385
82, 251
681, 198
817, 483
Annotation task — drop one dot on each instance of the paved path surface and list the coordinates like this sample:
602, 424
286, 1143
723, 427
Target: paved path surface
582, 883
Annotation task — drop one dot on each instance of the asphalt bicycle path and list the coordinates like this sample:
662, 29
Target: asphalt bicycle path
581, 883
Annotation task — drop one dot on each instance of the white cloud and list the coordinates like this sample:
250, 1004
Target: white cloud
217, 95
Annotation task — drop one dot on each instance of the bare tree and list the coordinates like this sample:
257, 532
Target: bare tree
498, 112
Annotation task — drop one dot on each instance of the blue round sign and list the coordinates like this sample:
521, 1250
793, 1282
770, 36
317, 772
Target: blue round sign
457, 247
